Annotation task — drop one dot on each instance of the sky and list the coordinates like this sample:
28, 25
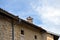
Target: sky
45, 13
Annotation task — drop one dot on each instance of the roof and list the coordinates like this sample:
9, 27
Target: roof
17, 18
53, 33
8, 14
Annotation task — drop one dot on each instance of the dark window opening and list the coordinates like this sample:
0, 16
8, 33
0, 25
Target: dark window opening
35, 37
22, 32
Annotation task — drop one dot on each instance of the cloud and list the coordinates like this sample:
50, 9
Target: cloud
49, 13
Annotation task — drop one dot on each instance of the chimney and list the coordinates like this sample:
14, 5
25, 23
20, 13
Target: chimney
30, 19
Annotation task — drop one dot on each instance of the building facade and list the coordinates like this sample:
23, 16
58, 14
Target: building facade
14, 28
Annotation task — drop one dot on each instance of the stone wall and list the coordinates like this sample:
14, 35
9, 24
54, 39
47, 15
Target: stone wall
50, 37
29, 32
5, 29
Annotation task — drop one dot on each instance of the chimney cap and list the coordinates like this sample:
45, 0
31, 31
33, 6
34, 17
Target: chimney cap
29, 18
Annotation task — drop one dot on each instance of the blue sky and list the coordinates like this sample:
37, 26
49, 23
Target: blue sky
45, 13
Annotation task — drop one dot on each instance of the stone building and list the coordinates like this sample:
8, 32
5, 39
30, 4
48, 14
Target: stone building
14, 28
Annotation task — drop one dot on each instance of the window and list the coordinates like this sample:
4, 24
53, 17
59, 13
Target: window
35, 37
22, 32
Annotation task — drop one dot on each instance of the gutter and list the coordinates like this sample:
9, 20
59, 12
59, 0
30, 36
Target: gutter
12, 29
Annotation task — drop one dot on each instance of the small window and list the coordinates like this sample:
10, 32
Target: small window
22, 32
35, 37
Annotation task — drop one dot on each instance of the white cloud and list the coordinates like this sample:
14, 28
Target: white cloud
50, 15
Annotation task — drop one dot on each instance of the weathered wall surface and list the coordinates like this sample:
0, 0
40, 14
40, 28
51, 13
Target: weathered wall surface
29, 32
5, 29
50, 37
